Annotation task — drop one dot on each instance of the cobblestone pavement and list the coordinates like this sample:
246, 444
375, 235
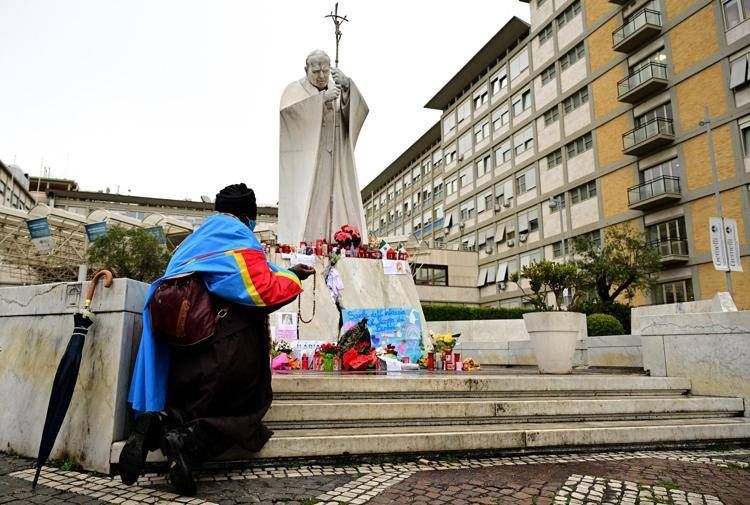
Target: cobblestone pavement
705, 477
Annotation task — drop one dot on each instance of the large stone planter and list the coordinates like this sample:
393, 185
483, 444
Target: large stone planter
553, 337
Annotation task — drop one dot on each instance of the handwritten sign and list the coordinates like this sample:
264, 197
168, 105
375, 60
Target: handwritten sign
399, 326
396, 267
286, 326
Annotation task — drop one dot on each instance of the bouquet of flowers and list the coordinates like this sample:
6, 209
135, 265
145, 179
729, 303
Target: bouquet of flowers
470, 364
279, 346
347, 236
329, 350
444, 342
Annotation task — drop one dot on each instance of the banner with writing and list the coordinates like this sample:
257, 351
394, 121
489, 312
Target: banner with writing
399, 326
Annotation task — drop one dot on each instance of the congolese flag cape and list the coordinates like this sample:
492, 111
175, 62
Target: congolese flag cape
232, 264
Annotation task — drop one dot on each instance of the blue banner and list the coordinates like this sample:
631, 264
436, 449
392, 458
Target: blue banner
399, 326
96, 230
41, 234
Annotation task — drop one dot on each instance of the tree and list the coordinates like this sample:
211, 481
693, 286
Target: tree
547, 277
624, 262
132, 253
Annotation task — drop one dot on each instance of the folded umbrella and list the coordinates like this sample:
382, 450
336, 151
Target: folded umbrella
66, 376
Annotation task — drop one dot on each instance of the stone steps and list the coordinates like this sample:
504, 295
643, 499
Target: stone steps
326, 415
466, 385
438, 411
310, 443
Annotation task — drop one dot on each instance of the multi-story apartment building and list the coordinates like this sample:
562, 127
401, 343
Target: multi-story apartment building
590, 116
14, 188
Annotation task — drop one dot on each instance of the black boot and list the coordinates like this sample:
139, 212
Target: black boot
144, 437
179, 446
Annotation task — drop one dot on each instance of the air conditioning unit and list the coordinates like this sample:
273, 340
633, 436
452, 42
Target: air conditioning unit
506, 203
462, 225
488, 249
510, 242
498, 207
523, 236
502, 286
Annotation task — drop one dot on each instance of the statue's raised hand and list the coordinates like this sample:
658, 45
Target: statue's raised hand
331, 94
340, 79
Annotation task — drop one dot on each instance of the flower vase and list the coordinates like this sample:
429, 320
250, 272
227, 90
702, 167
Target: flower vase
328, 364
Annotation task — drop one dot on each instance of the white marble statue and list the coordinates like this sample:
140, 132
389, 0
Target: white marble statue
308, 176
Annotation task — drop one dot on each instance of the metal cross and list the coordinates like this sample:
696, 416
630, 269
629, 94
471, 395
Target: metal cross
337, 20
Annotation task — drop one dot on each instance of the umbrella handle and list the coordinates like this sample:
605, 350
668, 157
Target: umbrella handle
107, 283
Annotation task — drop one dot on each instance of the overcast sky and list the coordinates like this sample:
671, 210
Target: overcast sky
178, 98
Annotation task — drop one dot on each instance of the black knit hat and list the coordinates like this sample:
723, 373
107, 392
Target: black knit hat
237, 199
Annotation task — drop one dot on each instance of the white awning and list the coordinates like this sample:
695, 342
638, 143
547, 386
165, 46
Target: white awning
482, 237
491, 271
502, 272
482, 277
448, 220
500, 235
472, 240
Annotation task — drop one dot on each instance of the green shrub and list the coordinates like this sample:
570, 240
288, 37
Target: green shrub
469, 313
603, 324
620, 311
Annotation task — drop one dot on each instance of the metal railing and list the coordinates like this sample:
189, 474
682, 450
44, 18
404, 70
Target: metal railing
652, 128
671, 246
655, 187
645, 72
636, 22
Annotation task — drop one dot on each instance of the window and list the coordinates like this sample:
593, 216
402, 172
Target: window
438, 189
519, 64
488, 200
505, 231
464, 111
484, 165
450, 154
745, 130
451, 185
528, 221
583, 192
557, 249
671, 234
416, 173
539, 3
503, 153
572, 56
674, 292
467, 210
575, 100
464, 145
504, 191
660, 112
554, 158
437, 157
568, 14
499, 82
735, 12
449, 123
657, 57
500, 117
523, 141
551, 116
579, 145
545, 34
667, 168
549, 74
465, 176
530, 257
521, 102
430, 275
482, 130
426, 166
526, 180
561, 203
481, 97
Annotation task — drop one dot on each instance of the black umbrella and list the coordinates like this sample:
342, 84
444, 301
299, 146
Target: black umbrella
66, 376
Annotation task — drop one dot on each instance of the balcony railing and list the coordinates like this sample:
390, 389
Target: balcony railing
641, 26
654, 133
651, 193
671, 250
644, 80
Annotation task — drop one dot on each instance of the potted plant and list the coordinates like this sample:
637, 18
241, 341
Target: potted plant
329, 352
553, 331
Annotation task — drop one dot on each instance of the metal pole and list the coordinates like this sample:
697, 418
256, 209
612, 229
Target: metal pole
562, 226
707, 123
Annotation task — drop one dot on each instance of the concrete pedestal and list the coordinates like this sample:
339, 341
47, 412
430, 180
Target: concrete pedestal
37, 323
365, 287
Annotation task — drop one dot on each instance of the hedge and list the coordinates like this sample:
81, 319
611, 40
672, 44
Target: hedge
469, 313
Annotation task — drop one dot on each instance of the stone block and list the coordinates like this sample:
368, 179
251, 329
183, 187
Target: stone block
37, 324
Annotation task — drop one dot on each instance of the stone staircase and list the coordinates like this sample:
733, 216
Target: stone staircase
318, 415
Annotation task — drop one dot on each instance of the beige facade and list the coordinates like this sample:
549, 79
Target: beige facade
598, 103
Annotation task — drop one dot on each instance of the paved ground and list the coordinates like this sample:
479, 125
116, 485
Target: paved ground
706, 477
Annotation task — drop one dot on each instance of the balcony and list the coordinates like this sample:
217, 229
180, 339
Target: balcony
672, 251
651, 135
653, 193
643, 82
641, 27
